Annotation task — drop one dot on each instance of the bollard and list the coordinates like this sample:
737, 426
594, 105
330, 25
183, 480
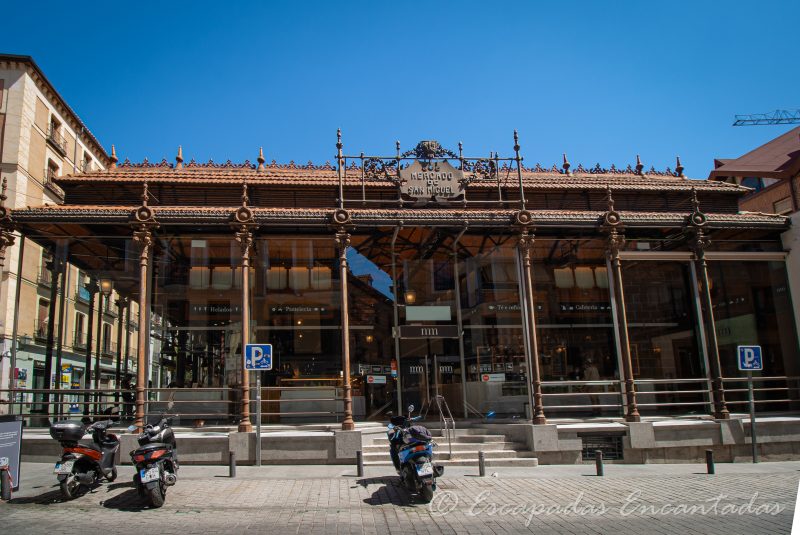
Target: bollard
481, 464
232, 464
598, 462
710, 462
360, 463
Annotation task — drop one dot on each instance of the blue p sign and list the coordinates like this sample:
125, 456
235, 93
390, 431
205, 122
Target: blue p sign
258, 356
750, 358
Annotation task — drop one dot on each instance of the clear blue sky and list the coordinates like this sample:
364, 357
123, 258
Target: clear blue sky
602, 81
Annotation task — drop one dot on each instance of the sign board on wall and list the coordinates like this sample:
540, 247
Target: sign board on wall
376, 379
493, 377
429, 331
432, 181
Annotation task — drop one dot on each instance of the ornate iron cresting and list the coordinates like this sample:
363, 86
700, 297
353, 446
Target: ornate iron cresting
393, 170
699, 242
612, 224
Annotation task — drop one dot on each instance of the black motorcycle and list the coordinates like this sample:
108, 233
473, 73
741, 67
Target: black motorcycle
156, 461
82, 466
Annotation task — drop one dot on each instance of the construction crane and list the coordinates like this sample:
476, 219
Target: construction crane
776, 117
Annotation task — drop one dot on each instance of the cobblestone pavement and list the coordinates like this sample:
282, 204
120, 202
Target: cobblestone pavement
657, 499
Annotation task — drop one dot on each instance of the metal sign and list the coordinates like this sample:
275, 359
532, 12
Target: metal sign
432, 181
10, 443
432, 331
376, 379
750, 358
493, 377
258, 357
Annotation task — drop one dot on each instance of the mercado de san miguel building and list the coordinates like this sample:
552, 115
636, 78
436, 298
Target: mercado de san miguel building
427, 277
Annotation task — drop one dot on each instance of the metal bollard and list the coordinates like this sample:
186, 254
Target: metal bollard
481, 464
598, 462
710, 462
232, 464
360, 463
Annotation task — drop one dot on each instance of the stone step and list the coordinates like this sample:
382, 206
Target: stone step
443, 454
461, 446
528, 461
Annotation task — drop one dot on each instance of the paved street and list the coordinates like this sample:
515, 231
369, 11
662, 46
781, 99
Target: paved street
659, 499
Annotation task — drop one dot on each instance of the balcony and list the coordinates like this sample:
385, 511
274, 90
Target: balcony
51, 186
40, 331
109, 349
87, 166
45, 277
57, 141
79, 341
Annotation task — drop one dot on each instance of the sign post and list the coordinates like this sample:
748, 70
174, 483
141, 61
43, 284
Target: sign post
10, 446
258, 357
750, 360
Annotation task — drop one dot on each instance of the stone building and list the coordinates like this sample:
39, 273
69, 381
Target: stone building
41, 139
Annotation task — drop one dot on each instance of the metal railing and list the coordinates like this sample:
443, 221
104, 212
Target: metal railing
79, 340
45, 277
40, 330
57, 140
190, 406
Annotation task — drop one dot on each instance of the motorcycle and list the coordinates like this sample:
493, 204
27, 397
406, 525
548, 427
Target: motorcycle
156, 461
82, 466
411, 448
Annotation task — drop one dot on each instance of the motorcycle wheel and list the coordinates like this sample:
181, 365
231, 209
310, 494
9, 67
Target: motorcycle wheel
5, 485
71, 488
156, 496
426, 493
110, 478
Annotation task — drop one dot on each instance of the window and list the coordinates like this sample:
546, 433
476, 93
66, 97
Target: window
86, 163
107, 348
42, 319
783, 206
80, 330
52, 170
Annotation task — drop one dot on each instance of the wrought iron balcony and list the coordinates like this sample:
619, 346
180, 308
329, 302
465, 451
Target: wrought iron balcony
109, 349
57, 141
79, 341
40, 330
45, 277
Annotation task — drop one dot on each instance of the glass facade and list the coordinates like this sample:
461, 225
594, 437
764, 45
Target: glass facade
434, 316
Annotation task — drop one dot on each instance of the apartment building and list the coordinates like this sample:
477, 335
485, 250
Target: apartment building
42, 138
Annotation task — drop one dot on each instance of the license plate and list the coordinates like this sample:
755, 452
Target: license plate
148, 475
425, 469
64, 468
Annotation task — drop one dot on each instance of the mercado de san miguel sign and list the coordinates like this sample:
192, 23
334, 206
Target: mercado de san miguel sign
436, 181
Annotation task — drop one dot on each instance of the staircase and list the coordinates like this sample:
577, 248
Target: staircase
466, 444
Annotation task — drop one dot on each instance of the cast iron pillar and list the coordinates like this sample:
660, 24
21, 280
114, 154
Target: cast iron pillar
342, 243
525, 245
245, 239
143, 225
616, 241
244, 223
92, 288
122, 303
699, 243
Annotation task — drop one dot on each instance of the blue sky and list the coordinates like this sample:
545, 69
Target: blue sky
602, 81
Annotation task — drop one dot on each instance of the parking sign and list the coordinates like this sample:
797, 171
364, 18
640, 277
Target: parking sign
750, 358
258, 357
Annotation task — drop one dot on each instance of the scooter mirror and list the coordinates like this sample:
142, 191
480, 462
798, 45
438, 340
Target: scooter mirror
131, 428
411, 408
390, 426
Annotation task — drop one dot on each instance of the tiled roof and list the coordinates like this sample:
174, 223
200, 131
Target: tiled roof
326, 175
778, 158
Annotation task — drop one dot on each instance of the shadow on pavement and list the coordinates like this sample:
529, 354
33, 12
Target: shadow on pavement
128, 501
48, 498
392, 492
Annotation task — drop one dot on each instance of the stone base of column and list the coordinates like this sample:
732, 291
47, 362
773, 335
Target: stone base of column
722, 415
348, 426
245, 426
633, 418
539, 420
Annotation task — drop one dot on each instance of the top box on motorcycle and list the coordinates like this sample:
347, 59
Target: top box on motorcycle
68, 430
417, 433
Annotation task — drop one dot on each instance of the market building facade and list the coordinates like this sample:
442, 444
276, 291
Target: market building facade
479, 287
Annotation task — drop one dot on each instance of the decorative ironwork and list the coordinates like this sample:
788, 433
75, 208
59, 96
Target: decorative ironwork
428, 150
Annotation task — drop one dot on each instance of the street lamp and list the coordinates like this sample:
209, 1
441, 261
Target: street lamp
106, 286
410, 297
